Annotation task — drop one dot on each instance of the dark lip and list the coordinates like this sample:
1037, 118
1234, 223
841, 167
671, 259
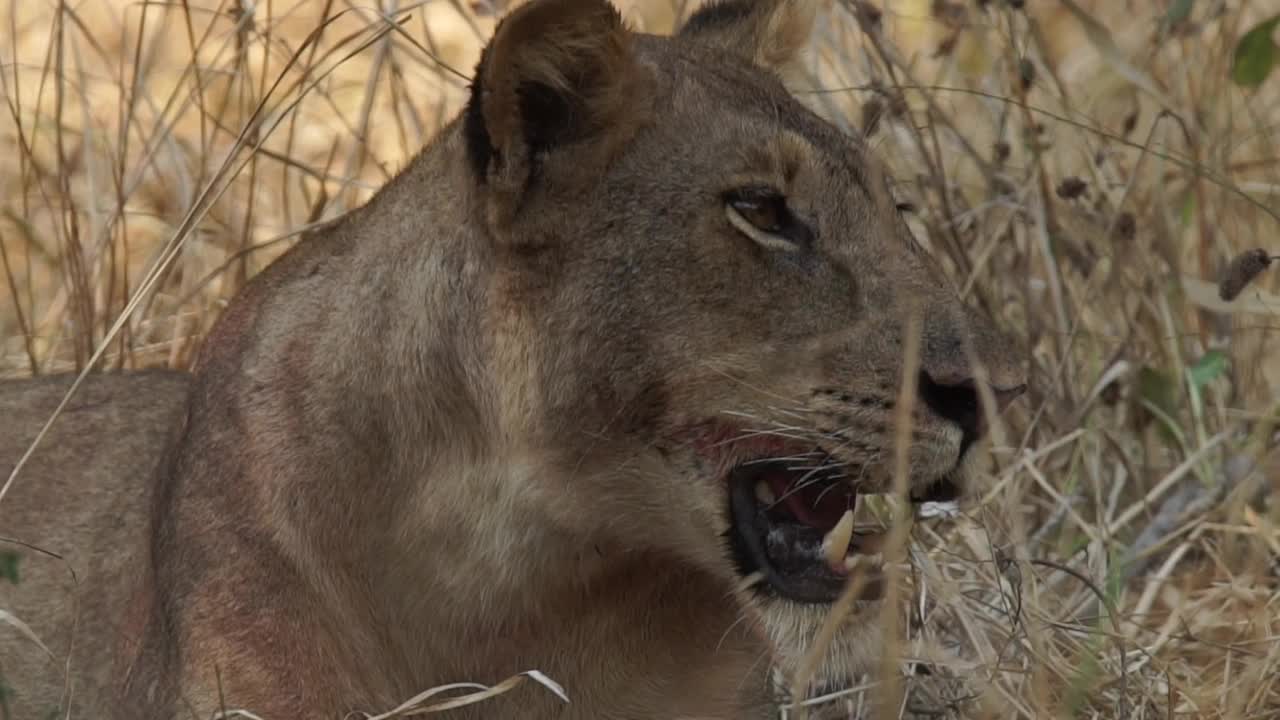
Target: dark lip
809, 580
944, 489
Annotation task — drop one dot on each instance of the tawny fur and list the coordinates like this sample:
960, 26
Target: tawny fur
85, 496
457, 435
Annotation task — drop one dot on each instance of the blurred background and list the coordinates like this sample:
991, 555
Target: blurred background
1084, 169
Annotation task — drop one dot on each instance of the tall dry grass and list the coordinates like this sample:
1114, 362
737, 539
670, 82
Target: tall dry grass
1084, 170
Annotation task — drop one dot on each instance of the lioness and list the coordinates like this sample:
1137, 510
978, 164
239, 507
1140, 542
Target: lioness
626, 333
83, 496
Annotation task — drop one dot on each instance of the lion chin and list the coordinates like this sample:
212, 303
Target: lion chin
853, 650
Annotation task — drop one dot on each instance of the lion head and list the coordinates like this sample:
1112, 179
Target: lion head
702, 303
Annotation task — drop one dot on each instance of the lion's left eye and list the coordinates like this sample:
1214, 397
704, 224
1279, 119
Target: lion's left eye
765, 213
762, 215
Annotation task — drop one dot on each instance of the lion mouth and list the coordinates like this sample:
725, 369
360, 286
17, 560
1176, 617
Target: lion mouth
792, 526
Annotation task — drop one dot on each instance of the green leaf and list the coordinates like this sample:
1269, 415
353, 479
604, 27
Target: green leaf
1076, 544
1179, 10
1188, 213
1210, 366
1114, 584
1161, 397
1255, 54
1084, 682
1158, 389
9, 566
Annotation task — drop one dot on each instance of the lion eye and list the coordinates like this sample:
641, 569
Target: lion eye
762, 215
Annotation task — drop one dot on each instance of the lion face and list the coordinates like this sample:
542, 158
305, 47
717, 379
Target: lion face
708, 291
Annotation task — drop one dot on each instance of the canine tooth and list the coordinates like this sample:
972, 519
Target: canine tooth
765, 494
747, 582
836, 543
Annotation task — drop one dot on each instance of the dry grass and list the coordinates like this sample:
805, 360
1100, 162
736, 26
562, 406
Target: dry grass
1125, 560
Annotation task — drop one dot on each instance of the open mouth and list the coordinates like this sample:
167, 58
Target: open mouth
793, 524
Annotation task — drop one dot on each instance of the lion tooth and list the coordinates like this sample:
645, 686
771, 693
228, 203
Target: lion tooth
836, 543
765, 494
747, 582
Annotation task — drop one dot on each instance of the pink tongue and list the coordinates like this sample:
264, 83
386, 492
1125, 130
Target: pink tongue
817, 505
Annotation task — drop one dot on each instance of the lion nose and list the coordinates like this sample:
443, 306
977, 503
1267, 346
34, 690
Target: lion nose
955, 397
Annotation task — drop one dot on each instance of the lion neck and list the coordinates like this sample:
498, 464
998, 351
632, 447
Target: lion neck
426, 497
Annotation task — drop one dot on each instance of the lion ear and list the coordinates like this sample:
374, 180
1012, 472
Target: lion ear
771, 33
555, 72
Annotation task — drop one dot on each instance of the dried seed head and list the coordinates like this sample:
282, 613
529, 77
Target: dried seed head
898, 106
1072, 187
867, 13
1001, 152
1241, 271
1126, 226
947, 46
950, 13
1130, 122
1110, 394
1026, 74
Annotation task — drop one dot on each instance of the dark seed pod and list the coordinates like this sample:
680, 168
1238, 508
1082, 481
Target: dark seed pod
1241, 271
952, 14
1126, 226
1110, 395
947, 46
1071, 188
898, 106
1001, 152
1026, 74
867, 13
1130, 122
